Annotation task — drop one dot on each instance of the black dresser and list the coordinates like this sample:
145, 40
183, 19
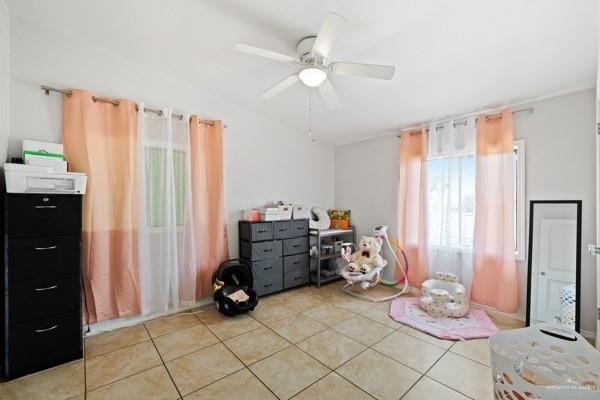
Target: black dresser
277, 252
41, 282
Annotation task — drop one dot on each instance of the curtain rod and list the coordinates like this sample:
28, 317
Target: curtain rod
115, 102
462, 120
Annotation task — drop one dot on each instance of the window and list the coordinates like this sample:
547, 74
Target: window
451, 201
519, 197
156, 179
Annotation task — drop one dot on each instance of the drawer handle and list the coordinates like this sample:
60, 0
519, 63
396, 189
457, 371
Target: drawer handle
297, 277
295, 245
297, 262
269, 285
45, 248
268, 268
300, 228
268, 250
282, 229
263, 231
45, 288
46, 330
45, 206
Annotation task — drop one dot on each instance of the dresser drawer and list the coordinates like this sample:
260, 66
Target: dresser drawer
282, 229
300, 227
260, 250
256, 231
39, 298
294, 263
42, 215
37, 257
295, 278
295, 246
267, 285
267, 268
43, 343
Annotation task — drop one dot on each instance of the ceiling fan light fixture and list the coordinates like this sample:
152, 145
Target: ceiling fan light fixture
312, 77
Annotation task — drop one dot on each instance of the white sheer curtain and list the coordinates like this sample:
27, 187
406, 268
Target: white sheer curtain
166, 243
451, 198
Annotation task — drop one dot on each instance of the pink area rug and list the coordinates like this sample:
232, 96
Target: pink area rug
476, 324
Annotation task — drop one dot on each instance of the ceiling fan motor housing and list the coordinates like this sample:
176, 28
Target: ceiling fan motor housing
305, 55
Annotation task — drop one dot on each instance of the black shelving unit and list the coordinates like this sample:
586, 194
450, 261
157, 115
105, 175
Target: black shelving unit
316, 261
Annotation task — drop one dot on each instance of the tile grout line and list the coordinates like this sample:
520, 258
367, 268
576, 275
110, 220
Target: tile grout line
163, 363
424, 374
331, 370
429, 369
309, 355
247, 367
418, 372
244, 366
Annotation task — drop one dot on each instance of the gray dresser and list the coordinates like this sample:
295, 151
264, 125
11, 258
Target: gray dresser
277, 252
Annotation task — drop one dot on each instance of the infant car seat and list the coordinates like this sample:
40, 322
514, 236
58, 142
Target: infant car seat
444, 296
229, 279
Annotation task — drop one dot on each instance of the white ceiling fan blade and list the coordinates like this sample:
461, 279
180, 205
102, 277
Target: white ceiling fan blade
257, 51
366, 70
329, 32
328, 92
281, 86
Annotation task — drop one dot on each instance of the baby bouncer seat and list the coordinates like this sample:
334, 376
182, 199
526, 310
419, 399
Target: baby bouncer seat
443, 296
233, 288
365, 267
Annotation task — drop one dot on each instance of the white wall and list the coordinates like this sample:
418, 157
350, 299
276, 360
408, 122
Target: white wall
560, 164
263, 160
4, 77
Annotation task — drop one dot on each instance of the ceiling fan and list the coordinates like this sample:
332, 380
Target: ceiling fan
312, 54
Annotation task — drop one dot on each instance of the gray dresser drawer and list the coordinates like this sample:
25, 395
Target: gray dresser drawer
295, 246
295, 278
294, 263
267, 268
268, 285
256, 231
282, 230
300, 227
260, 250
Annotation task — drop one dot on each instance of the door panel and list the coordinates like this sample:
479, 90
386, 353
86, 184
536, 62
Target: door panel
556, 269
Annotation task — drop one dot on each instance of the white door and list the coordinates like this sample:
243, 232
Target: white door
556, 268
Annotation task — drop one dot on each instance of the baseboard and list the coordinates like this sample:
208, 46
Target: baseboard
515, 316
589, 335
113, 324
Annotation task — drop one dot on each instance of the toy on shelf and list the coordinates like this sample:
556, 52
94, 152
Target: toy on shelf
443, 296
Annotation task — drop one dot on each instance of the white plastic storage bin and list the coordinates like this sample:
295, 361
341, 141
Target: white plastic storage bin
543, 363
285, 211
300, 212
270, 216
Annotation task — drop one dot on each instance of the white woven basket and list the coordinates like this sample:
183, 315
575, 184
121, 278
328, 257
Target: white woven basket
530, 364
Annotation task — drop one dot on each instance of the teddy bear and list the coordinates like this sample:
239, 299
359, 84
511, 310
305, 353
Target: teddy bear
367, 256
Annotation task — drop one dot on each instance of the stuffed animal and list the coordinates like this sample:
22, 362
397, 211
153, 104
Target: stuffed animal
366, 257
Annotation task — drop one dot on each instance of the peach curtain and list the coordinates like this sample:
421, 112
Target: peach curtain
100, 139
412, 204
494, 272
210, 230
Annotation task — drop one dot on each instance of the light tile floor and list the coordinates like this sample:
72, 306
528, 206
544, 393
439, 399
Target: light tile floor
303, 344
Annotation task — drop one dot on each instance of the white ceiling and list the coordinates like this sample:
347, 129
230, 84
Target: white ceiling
451, 57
